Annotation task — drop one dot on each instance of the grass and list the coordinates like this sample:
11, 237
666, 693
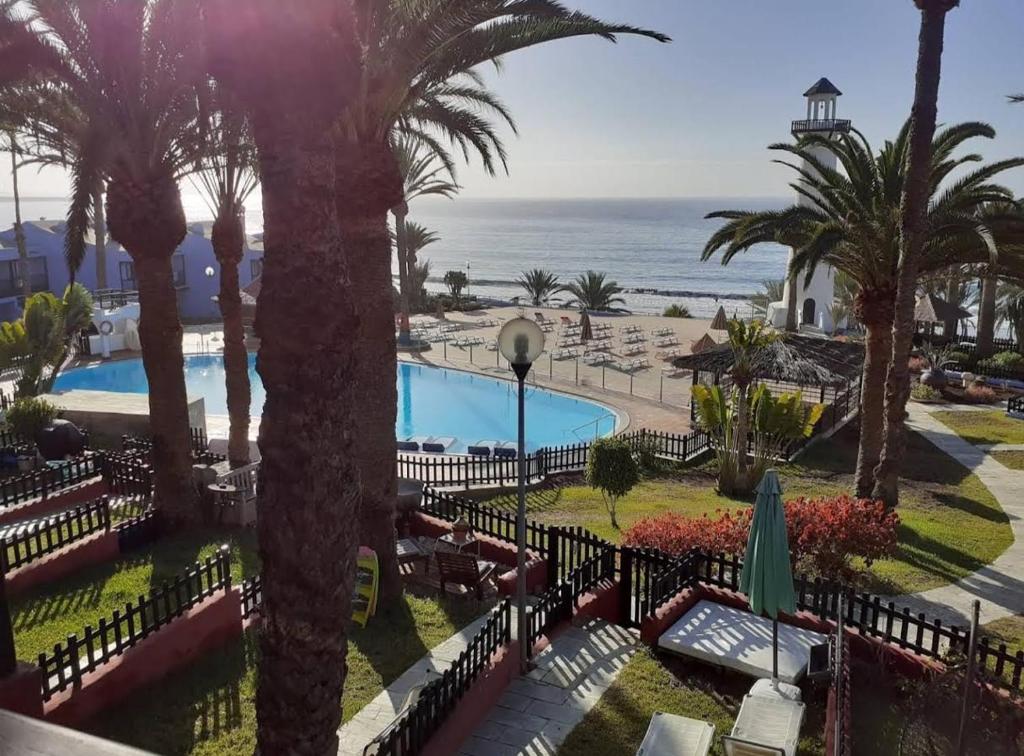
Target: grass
208, 708
1008, 630
982, 427
950, 524
1012, 459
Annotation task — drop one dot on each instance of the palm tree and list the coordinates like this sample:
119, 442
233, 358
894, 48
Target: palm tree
424, 172
1010, 309
419, 275
590, 291
746, 340
540, 285
226, 179
19, 230
771, 291
853, 226
913, 233
131, 68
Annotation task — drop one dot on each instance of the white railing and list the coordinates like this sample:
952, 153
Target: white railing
242, 478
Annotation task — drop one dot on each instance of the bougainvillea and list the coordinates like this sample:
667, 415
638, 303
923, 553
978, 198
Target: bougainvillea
825, 534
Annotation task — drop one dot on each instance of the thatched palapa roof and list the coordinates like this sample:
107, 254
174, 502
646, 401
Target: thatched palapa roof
703, 344
792, 358
721, 321
931, 309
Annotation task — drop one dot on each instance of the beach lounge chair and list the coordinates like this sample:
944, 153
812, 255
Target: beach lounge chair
463, 569
479, 451
408, 446
633, 349
765, 727
432, 448
673, 735
671, 371
504, 452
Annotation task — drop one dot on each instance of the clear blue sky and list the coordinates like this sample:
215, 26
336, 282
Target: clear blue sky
692, 118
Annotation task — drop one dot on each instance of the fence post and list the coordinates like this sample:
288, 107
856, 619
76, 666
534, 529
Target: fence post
105, 505
225, 564
626, 586
554, 540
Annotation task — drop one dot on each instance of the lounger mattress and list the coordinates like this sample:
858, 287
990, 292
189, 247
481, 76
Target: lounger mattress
739, 640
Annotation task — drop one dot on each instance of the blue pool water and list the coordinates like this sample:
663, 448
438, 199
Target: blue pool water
431, 401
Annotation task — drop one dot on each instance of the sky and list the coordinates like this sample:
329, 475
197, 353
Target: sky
692, 118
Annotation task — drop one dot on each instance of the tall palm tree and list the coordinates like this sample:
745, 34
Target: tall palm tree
986, 315
853, 226
417, 75
913, 232
226, 179
419, 274
591, 291
540, 285
746, 340
131, 67
294, 68
424, 172
19, 230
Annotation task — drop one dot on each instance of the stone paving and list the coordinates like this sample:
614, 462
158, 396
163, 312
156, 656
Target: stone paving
355, 734
537, 712
999, 585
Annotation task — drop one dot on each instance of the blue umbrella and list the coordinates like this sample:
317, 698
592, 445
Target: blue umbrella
767, 578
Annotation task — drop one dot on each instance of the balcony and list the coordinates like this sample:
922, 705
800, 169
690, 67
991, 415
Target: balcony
831, 125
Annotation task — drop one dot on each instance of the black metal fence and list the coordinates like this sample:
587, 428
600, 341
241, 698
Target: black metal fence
1015, 404
21, 545
127, 473
46, 481
69, 661
198, 442
138, 530
558, 602
411, 730
252, 596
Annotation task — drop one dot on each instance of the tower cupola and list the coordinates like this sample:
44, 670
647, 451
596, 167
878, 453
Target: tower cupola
822, 99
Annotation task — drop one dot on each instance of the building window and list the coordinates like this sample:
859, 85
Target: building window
127, 270
256, 267
178, 270
10, 276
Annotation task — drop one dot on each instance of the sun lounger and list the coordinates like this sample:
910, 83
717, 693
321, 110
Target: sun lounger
673, 735
408, 446
565, 354
662, 331
633, 349
479, 451
504, 452
596, 358
666, 342
765, 727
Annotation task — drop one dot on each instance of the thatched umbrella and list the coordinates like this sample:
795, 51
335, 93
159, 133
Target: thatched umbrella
931, 309
586, 332
703, 344
721, 321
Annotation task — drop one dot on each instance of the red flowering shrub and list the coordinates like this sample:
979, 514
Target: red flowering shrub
980, 394
917, 364
824, 533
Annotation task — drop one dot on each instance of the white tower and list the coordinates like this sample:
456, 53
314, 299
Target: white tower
814, 300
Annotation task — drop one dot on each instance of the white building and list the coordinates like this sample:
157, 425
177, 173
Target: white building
814, 300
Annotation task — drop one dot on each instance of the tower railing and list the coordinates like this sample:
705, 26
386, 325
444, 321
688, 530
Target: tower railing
841, 125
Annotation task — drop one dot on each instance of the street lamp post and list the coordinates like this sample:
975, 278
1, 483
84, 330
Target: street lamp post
521, 342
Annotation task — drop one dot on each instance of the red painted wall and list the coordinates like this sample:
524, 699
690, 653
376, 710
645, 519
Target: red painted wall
22, 691
97, 548
602, 603
476, 703
69, 497
203, 628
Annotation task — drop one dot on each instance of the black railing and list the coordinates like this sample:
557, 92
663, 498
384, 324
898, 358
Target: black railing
410, 731
23, 544
198, 441
483, 519
558, 602
110, 298
48, 480
127, 474
70, 661
138, 531
1015, 405
835, 125
252, 596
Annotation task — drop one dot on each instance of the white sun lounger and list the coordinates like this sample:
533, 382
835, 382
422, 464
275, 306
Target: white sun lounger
672, 735
765, 727
740, 641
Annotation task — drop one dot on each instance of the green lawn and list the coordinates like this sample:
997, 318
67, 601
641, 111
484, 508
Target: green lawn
950, 524
209, 707
983, 427
1009, 630
1012, 459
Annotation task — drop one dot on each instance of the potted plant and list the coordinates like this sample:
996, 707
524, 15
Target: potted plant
28, 418
934, 376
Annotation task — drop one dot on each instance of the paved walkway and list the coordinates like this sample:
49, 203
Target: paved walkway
537, 713
355, 734
999, 585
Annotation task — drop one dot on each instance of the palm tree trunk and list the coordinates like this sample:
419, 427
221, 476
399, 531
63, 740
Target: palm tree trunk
791, 324
19, 230
913, 211
100, 232
987, 317
363, 181
400, 211
147, 219
952, 289
742, 433
877, 319
310, 487
228, 239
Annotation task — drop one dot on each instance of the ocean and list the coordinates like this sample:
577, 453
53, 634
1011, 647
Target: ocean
650, 247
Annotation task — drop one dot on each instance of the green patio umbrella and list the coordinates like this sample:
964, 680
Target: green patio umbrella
767, 578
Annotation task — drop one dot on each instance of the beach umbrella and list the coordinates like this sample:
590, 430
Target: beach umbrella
586, 331
766, 577
703, 344
721, 322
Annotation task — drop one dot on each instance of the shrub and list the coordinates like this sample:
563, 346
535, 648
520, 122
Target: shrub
676, 311
925, 393
980, 394
960, 358
917, 364
825, 534
29, 416
1009, 360
612, 470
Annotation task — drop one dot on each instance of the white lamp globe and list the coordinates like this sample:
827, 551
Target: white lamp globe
209, 271
521, 341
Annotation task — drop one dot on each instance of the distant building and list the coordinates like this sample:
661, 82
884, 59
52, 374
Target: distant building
48, 270
814, 299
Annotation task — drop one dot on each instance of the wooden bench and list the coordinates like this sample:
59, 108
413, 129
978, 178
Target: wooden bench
463, 569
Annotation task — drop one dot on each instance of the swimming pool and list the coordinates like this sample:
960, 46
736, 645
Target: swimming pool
431, 401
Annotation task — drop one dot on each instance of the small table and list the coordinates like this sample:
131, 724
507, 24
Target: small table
458, 545
223, 497
409, 551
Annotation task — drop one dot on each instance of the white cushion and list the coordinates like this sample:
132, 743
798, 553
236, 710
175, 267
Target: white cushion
739, 640
673, 735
